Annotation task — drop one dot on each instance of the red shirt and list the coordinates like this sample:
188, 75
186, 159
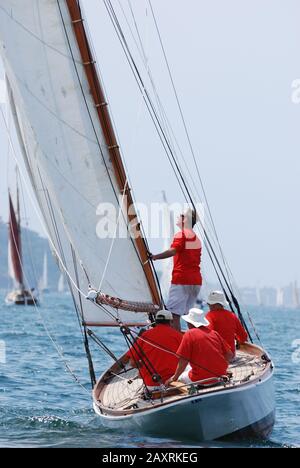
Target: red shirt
163, 362
186, 270
205, 350
228, 326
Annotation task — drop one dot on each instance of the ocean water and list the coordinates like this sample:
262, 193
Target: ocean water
41, 405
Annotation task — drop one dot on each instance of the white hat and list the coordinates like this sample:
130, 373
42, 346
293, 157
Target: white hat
217, 297
164, 315
197, 318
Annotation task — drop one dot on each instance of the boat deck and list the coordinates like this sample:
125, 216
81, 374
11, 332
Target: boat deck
125, 391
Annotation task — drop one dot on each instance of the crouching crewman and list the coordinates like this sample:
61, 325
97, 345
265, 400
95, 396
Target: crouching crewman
203, 354
154, 352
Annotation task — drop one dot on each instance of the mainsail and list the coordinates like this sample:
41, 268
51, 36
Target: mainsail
14, 249
70, 150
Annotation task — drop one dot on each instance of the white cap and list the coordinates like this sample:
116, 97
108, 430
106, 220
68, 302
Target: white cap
217, 297
164, 315
197, 318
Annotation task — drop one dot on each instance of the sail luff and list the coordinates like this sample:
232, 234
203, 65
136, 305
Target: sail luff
110, 138
15, 244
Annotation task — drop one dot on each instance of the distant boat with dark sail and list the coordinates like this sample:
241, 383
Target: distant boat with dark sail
19, 295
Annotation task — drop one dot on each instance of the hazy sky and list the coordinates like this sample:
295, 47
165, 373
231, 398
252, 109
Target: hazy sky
233, 63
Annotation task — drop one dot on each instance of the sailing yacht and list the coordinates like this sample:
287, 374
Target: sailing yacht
20, 295
280, 297
43, 283
74, 162
61, 284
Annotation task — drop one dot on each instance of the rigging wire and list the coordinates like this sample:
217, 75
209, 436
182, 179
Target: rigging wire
168, 351
28, 239
94, 129
164, 139
164, 117
143, 90
59, 351
48, 333
63, 266
186, 131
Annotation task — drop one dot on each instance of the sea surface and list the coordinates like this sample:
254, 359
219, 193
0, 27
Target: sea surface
41, 404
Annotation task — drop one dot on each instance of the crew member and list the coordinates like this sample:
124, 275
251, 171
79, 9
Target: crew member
186, 277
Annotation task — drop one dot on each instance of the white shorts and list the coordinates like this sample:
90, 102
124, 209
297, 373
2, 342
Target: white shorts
182, 298
184, 378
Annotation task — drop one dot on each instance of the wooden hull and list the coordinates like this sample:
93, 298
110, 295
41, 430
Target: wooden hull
241, 410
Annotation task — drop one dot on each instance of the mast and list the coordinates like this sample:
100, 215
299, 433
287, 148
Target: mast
101, 105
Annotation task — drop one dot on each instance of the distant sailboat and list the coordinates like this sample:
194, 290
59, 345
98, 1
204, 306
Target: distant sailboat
259, 297
280, 297
296, 298
20, 295
61, 284
43, 283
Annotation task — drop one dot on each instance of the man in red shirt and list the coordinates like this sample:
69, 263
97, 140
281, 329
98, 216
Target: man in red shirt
186, 277
207, 354
154, 351
224, 321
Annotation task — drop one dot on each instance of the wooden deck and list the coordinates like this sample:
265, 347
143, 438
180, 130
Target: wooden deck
126, 391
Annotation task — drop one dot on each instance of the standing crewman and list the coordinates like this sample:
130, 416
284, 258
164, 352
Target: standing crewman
186, 249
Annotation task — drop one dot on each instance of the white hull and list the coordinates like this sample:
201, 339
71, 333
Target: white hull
249, 411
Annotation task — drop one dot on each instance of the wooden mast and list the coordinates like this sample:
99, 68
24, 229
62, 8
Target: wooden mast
101, 105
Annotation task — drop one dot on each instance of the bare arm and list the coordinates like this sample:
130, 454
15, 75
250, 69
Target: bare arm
126, 359
180, 369
162, 256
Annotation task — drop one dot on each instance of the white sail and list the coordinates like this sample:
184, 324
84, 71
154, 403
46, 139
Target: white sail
280, 297
64, 147
61, 284
43, 283
259, 296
